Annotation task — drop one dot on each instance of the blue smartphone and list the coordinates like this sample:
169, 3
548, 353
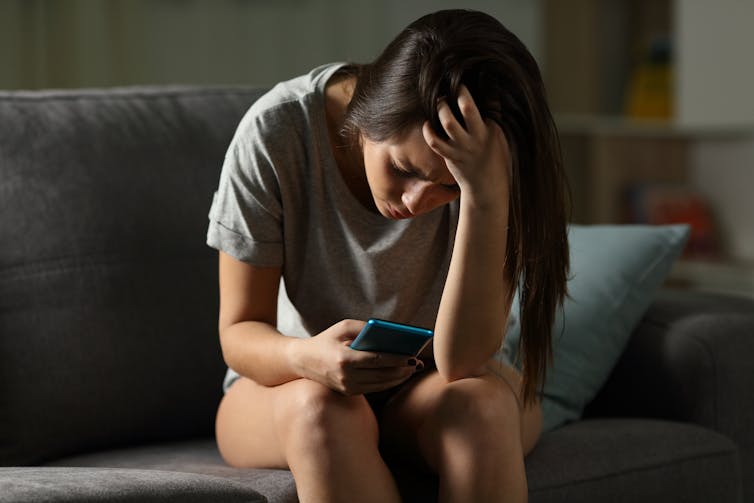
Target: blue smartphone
389, 337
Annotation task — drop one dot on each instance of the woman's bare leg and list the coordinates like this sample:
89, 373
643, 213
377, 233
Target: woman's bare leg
328, 440
471, 432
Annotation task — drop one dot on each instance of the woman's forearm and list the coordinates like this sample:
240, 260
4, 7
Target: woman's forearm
258, 351
475, 302
476, 298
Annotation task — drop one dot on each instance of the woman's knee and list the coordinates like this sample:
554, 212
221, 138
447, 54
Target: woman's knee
315, 417
480, 410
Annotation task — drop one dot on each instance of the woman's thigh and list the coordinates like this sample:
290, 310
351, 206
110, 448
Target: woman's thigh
245, 427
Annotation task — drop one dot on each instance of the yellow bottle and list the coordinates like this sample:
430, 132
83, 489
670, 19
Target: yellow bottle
650, 88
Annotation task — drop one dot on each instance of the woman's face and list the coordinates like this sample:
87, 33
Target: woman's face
406, 178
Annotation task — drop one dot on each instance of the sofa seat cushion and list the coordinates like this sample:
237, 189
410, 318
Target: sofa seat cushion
74, 484
194, 457
633, 460
623, 460
591, 460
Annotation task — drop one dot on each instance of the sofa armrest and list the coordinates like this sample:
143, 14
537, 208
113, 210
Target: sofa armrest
690, 359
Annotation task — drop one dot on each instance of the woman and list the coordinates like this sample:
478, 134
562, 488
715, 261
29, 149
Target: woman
423, 188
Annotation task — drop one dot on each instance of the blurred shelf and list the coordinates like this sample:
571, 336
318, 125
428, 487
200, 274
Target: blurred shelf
615, 125
605, 157
596, 50
731, 277
594, 53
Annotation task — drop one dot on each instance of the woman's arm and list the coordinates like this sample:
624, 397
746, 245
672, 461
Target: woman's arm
251, 344
253, 347
476, 299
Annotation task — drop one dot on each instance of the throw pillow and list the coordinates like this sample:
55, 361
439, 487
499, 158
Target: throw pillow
615, 271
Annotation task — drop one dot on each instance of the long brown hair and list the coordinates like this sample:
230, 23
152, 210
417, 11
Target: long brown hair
401, 89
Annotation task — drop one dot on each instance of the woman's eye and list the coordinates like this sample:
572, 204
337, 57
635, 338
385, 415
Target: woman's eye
401, 172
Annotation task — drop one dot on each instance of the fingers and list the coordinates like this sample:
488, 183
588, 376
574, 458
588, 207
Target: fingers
475, 128
474, 123
455, 130
379, 376
346, 330
357, 381
437, 144
369, 381
373, 360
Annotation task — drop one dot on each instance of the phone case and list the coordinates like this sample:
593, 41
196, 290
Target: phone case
389, 337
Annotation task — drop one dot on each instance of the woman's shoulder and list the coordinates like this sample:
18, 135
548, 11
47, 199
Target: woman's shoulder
290, 102
284, 125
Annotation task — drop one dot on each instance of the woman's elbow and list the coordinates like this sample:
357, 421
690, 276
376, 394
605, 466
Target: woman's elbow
455, 371
455, 363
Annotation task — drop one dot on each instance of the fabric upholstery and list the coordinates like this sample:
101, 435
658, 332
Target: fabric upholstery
108, 294
81, 485
648, 460
191, 456
624, 460
690, 360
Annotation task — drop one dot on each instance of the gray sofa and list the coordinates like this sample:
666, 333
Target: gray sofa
110, 367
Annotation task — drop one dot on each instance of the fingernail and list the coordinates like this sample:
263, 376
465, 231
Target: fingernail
420, 365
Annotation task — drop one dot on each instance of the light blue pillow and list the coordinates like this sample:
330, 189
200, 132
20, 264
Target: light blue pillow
615, 271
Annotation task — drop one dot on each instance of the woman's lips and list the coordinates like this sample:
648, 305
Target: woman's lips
397, 215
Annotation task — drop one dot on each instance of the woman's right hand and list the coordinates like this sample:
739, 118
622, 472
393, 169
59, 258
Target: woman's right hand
328, 359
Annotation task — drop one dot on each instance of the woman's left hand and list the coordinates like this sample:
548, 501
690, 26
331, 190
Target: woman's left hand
478, 156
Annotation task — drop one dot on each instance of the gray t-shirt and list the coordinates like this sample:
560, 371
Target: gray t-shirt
282, 201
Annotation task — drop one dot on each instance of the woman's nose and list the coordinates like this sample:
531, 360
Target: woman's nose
421, 197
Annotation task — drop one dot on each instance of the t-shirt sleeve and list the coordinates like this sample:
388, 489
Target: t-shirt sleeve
245, 219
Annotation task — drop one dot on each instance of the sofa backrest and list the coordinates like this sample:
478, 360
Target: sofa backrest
108, 293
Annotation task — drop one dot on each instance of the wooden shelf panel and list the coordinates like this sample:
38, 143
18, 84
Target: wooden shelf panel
733, 277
